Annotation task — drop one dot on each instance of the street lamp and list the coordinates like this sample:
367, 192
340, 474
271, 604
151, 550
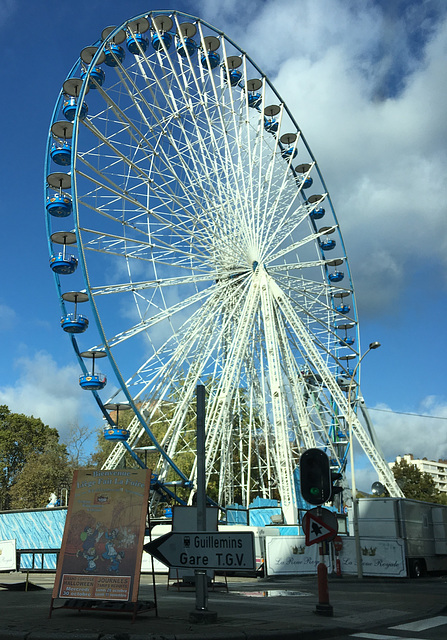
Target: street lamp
351, 418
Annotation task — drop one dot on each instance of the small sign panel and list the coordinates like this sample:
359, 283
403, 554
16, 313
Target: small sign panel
318, 525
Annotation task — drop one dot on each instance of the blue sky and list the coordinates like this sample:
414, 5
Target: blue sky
365, 80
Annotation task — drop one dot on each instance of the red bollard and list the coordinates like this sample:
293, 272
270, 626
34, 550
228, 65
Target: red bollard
323, 608
338, 566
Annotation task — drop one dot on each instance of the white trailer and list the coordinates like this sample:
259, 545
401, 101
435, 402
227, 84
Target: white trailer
421, 525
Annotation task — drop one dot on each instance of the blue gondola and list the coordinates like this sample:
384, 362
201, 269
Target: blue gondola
69, 109
116, 433
327, 245
63, 264
317, 213
61, 153
346, 342
158, 40
93, 381
60, 205
72, 323
254, 100
235, 76
308, 182
114, 55
271, 125
135, 42
291, 152
337, 276
343, 308
154, 480
189, 47
97, 76
343, 381
212, 58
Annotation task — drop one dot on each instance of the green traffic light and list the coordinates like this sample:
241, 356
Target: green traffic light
314, 491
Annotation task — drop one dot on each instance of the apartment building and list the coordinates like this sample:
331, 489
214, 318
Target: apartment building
438, 470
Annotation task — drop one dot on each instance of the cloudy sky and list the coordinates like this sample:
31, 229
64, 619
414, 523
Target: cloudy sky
366, 82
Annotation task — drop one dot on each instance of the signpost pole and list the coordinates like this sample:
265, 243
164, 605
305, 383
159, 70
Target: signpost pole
201, 613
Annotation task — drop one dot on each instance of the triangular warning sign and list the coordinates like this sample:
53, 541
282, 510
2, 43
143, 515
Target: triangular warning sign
316, 530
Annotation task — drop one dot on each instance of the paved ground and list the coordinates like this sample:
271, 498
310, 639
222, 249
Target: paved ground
252, 609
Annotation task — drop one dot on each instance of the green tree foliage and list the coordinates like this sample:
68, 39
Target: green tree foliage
245, 441
416, 484
21, 437
42, 474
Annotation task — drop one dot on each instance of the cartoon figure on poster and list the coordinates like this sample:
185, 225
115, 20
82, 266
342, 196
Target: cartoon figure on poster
90, 536
110, 559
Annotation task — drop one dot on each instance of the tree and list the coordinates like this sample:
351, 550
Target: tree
42, 474
21, 437
76, 441
415, 484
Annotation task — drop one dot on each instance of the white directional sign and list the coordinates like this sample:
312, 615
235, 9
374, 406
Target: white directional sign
205, 550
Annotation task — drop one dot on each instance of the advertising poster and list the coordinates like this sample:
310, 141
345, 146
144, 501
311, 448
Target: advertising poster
102, 545
290, 555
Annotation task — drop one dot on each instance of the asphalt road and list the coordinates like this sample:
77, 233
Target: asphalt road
268, 609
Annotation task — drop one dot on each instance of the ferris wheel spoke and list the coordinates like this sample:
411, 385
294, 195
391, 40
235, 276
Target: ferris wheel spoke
204, 149
151, 284
296, 245
157, 318
106, 183
179, 345
170, 174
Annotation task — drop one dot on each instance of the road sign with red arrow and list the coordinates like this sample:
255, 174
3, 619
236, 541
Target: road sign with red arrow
319, 524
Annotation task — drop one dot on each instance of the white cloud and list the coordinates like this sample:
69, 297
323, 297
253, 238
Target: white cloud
7, 8
46, 391
423, 435
366, 84
7, 317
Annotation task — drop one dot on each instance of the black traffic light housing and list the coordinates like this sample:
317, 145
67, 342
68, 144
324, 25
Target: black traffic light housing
315, 476
335, 489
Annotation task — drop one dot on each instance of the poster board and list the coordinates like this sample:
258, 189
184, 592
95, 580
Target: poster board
102, 545
8, 560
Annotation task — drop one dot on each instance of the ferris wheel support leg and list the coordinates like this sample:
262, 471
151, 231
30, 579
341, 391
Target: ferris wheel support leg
375, 456
282, 446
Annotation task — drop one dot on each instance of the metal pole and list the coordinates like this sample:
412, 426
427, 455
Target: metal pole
355, 504
200, 574
201, 482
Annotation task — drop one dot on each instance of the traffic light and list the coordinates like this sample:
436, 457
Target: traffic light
315, 476
335, 489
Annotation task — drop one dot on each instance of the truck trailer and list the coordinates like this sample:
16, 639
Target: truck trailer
421, 525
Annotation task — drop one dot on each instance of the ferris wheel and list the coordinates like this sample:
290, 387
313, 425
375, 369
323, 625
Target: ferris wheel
208, 252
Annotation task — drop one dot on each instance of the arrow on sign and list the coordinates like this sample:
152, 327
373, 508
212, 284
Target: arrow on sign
316, 530
204, 550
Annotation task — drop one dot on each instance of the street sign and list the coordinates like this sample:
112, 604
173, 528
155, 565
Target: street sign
338, 543
318, 525
205, 550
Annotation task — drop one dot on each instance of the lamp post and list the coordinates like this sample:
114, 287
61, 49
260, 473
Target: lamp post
351, 417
